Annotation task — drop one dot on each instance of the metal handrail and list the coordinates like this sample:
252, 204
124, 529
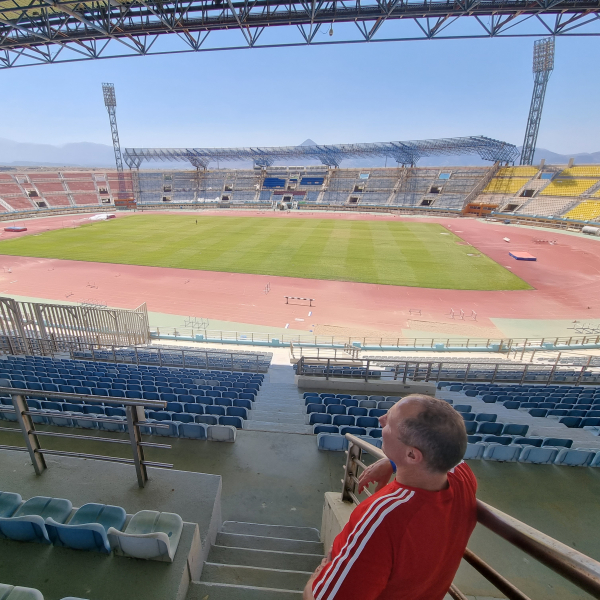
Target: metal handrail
9, 391
501, 345
135, 416
578, 568
431, 370
46, 347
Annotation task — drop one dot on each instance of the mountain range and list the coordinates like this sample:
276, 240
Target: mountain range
86, 154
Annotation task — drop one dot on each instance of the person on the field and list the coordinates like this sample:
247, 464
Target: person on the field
406, 541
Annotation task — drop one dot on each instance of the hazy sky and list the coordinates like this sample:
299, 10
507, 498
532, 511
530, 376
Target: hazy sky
343, 93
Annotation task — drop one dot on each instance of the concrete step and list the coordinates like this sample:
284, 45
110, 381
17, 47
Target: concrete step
250, 557
260, 542
203, 590
278, 427
282, 579
276, 417
307, 534
278, 405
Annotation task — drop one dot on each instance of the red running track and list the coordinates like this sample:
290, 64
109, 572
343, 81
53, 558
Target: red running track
566, 278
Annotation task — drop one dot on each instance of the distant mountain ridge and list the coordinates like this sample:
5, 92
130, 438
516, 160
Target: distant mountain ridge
87, 154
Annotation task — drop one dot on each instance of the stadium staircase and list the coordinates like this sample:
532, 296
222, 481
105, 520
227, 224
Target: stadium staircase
279, 406
250, 561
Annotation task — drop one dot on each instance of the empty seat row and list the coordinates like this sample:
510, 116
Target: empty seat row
343, 420
582, 457
192, 425
523, 441
340, 409
348, 402
97, 527
17, 592
76, 405
338, 443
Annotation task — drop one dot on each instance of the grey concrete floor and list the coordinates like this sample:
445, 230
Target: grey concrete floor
273, 478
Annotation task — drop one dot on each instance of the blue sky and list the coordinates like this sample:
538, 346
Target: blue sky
335, 94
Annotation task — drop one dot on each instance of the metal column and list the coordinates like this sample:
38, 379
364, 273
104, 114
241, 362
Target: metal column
543, 64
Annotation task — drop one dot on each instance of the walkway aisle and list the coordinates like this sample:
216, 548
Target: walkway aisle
279, 406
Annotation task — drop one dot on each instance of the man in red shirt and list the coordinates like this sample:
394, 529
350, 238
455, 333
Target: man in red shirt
406, 541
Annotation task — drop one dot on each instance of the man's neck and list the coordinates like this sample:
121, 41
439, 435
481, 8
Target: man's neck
431, 482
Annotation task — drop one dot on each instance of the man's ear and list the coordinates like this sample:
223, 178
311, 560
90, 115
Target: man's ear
414, 456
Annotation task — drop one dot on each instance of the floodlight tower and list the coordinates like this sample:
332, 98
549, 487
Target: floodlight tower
543, 64
110, 101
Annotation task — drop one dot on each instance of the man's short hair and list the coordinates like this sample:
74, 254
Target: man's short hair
438, 431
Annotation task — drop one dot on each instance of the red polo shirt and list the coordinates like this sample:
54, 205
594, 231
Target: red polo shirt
402, 543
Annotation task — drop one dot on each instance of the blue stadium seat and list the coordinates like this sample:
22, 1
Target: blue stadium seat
193, 431
471, 427
512, 405
236, 411
27, 524
340, 420
502, 453
515, 429
557, 442
578, 457
336, 409
538, 412
474, 451
325, 429
525, 441
319, 418
87, 528
486, 417
236, 422
571, 422
498, 439
9, 502
353, 430
377, 412
463, 408
487, 428
207, 420
538, 456
332, 442
367, 422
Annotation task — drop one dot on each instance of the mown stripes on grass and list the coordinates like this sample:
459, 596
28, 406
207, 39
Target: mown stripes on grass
382, 252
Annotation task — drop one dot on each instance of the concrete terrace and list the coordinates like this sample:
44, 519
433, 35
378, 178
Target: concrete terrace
273, 474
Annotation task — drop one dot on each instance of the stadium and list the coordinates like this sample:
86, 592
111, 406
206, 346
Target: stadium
198, 345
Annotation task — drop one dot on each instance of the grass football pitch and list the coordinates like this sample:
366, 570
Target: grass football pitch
383, 252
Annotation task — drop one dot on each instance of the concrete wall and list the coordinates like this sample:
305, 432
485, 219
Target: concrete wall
335, 516
385, 388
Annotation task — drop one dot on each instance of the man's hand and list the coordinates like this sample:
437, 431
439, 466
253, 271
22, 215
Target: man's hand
308, 594
379, 473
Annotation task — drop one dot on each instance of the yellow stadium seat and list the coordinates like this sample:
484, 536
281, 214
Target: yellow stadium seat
523, 171
588, 210
583, 171
505, 185
568, 187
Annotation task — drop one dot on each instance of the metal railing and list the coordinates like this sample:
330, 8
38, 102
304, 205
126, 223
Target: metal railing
135, 416
140, 355
503, 345
460, 372
578, 568
347, 351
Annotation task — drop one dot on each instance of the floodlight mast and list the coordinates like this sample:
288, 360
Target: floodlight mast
110, 101
543, 65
